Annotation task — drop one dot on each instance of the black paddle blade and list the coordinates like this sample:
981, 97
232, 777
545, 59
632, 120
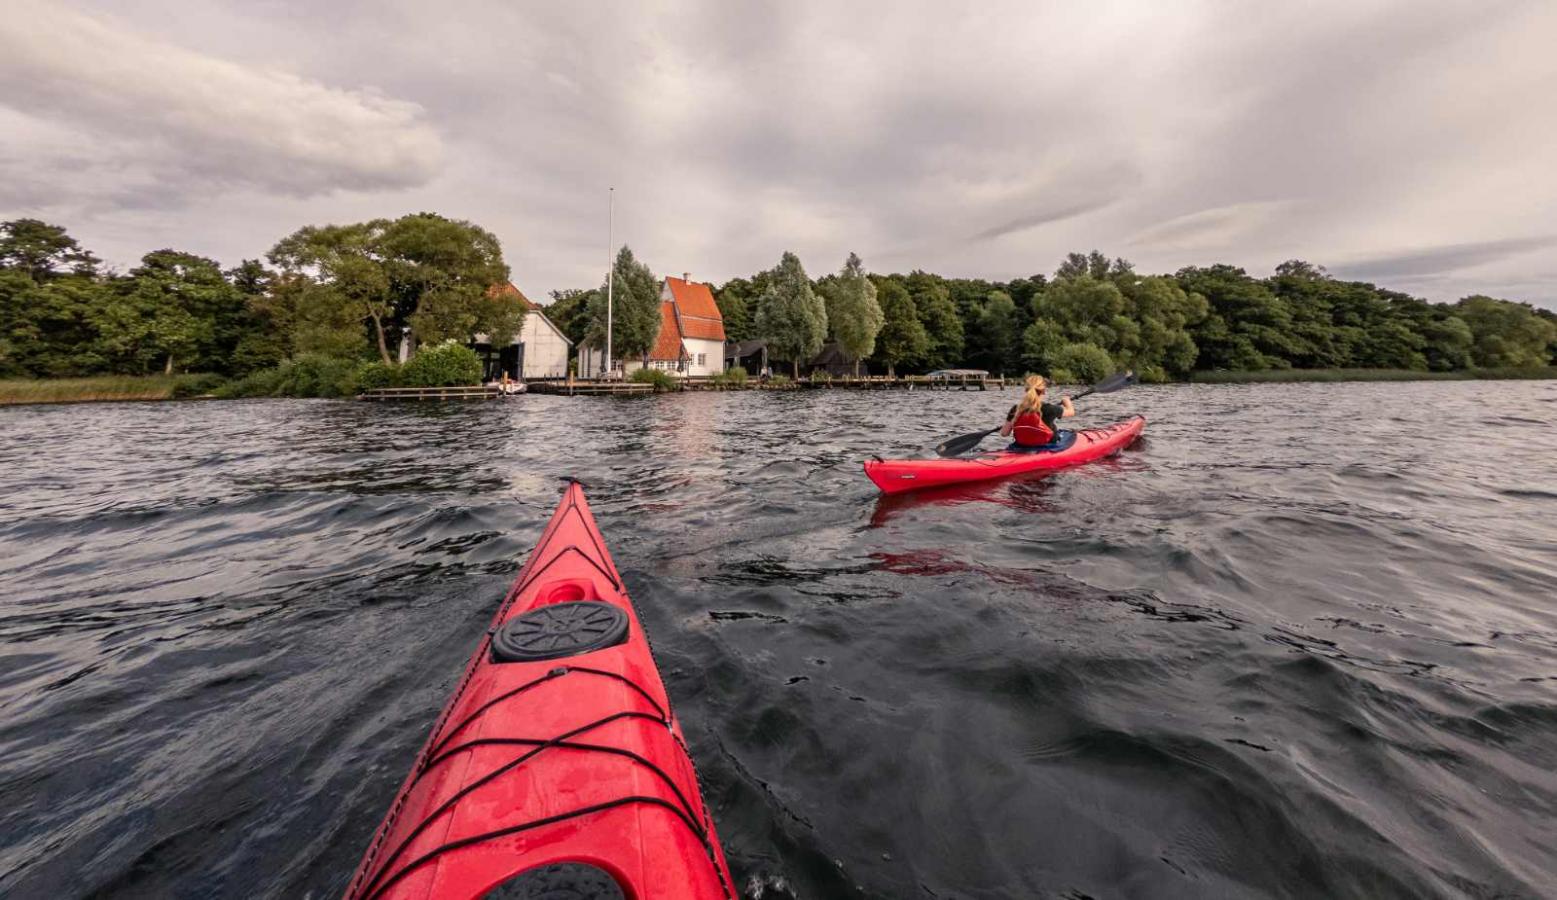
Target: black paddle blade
1110, 384
962, 443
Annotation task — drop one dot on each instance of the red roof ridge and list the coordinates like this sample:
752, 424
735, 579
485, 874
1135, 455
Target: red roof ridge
499, 290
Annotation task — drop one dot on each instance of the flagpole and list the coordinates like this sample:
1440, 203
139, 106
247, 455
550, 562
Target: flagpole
610, 270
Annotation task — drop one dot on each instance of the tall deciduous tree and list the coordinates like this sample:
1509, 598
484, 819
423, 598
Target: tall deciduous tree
343, 278
423, 272
942, 325
176, 309
42, 251
441, 273
853, 314
996, 334
737, 300
635, 309
1506, 334
569, 311
790, 316
902, 339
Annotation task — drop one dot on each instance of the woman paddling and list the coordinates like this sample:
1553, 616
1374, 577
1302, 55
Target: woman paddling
1030, 423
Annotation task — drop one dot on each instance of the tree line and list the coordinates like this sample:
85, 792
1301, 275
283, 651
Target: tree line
354, 292
1094, 315
336, 292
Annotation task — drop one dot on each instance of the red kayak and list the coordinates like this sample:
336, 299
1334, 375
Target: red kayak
557, 769
895, 476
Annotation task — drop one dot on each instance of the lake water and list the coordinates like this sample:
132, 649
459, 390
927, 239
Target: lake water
1300, 641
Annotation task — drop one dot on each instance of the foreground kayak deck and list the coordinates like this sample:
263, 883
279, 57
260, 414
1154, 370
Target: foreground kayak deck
557, 769
895, 476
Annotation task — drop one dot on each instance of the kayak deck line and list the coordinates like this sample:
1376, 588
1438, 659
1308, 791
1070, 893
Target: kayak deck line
895, 476
557, 762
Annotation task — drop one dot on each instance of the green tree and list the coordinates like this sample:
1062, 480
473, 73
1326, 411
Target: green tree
1506, 334
174, 308
263, 334
737, 300
1041, 343
790, 316
902, 339
340, 276
42, 251
1093, 264
1448, 342
635, 309
569, 311
420, 272
996, 334
1157, 344
441, 273
1081, 363
49, 329
941, 324
1085, 307
853, 314
1247, 326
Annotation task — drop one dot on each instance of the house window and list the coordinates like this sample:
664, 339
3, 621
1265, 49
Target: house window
702, 359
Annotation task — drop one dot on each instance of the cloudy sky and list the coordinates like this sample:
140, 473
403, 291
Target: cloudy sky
1408, 142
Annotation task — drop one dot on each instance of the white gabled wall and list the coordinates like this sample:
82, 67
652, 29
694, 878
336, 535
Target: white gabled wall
545, 349
707, 356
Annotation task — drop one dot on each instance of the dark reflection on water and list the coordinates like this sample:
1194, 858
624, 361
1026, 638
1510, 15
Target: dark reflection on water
1292, 644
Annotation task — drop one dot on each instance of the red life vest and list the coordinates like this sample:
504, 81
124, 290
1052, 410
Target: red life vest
1029, 430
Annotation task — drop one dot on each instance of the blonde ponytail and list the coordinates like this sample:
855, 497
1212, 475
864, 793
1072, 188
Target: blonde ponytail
1032, 401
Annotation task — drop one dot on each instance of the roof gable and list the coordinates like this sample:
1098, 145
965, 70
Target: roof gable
668, 345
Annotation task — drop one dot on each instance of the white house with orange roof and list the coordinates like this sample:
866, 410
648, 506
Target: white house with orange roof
691, 338
698, 320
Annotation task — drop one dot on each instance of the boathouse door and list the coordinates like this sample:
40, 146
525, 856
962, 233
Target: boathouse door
511, 360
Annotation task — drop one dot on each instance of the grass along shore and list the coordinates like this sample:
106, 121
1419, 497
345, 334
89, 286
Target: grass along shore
101, 388
1292, 375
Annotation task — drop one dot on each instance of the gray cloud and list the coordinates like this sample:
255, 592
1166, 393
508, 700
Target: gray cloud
1430, 261
982, 140
148, 123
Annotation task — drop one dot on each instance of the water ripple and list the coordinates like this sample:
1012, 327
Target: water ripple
1291, 644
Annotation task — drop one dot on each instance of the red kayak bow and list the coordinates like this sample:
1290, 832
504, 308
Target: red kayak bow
557, 769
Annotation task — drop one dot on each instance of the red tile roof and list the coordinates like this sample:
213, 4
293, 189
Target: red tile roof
668, 345
702, 329
498, 290
700, 318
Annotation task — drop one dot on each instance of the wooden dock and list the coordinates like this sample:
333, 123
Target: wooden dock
907, 382
581, 388
467, 392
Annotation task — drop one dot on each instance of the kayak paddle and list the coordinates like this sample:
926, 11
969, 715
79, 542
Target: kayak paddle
963, 443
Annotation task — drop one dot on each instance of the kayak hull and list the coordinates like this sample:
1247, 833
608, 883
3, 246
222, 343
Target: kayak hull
554, 773
896, 476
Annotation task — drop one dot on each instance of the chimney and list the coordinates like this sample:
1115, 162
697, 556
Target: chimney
686, 276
